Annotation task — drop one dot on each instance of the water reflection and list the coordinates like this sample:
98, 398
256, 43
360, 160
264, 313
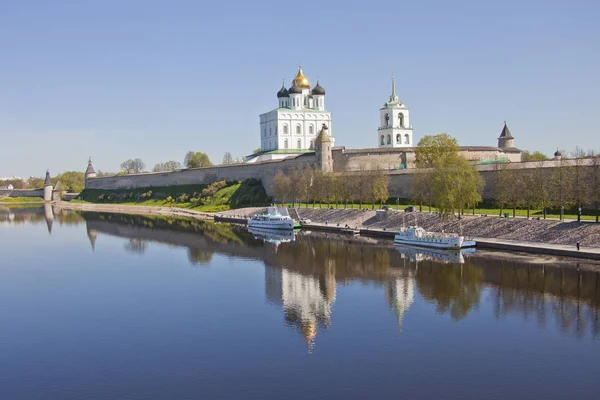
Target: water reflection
272, 236
306, 300
400, 294
419, 254
302, 270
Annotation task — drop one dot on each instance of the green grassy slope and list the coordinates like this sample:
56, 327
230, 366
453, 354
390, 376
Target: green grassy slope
217, 196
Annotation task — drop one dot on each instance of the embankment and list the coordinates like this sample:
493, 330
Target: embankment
556, 234
129, 209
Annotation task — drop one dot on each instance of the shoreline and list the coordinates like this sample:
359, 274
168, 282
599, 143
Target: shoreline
376, 223
127, 209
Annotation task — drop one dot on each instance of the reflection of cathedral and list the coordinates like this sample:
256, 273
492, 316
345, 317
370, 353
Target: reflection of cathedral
306, 299
400, 294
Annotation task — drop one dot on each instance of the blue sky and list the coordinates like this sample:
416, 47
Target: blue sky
153, 79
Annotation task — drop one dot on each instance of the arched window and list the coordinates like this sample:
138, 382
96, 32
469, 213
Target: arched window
299, 144
285, 129
310, 129
298, 129
270, 131
389, 139
401, 120
399, 139
285, 144
382, 140
264, 131
387, 120
312, 143
406, 139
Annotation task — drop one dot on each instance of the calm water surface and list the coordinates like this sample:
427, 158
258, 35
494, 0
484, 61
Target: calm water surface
106, 306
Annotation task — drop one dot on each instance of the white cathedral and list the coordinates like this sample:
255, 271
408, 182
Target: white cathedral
293, 127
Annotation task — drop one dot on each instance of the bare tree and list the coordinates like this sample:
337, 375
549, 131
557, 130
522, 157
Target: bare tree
134, 166
167, 166
295, 176
561, 186
281, 187
580, 180
594, 180
228, 158
306, 184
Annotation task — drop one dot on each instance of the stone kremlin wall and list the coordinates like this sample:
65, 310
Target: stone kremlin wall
22, 192
352, 162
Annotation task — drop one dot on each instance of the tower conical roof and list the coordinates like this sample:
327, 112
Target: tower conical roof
505, 132
90, 167
323, 136
47, 181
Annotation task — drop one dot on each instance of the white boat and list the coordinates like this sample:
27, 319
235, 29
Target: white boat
274, 218
417, 236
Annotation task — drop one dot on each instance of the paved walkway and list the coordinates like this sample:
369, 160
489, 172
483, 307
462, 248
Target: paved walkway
536, 247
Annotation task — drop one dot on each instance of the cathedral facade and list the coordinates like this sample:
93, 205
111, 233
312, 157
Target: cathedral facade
294, 125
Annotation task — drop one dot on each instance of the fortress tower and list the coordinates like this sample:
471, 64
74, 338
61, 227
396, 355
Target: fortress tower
506, 139
394, 126
47, 187
323, 150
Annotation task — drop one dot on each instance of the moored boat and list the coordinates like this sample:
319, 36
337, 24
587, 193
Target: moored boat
417, 236
274, 218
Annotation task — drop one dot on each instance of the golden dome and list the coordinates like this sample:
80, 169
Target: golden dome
302, 80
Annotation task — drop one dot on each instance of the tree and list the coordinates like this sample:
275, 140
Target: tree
257, 150
455, 185
296, 185
502, 185
379, 187
539, 187
561, 186
306, 184
167, 166
433, 148
134, 166
35, 183
421, 187
595, 182
580, 180
228, 158
535, 156
73, 181
281, 186
196, 160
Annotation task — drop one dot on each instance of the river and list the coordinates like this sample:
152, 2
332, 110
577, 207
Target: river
109, 306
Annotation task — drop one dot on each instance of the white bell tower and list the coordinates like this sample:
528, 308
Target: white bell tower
394, 125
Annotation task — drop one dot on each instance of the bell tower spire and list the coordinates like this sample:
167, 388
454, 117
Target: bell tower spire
394, 127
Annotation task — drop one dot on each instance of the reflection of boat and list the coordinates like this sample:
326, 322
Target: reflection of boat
417, 236
444, 256
275, 236
274, 218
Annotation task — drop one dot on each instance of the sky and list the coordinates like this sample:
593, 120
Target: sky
154, 79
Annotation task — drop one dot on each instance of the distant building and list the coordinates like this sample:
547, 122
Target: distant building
9, 186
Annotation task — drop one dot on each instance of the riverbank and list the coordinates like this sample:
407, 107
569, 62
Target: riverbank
513, 234
140, 210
